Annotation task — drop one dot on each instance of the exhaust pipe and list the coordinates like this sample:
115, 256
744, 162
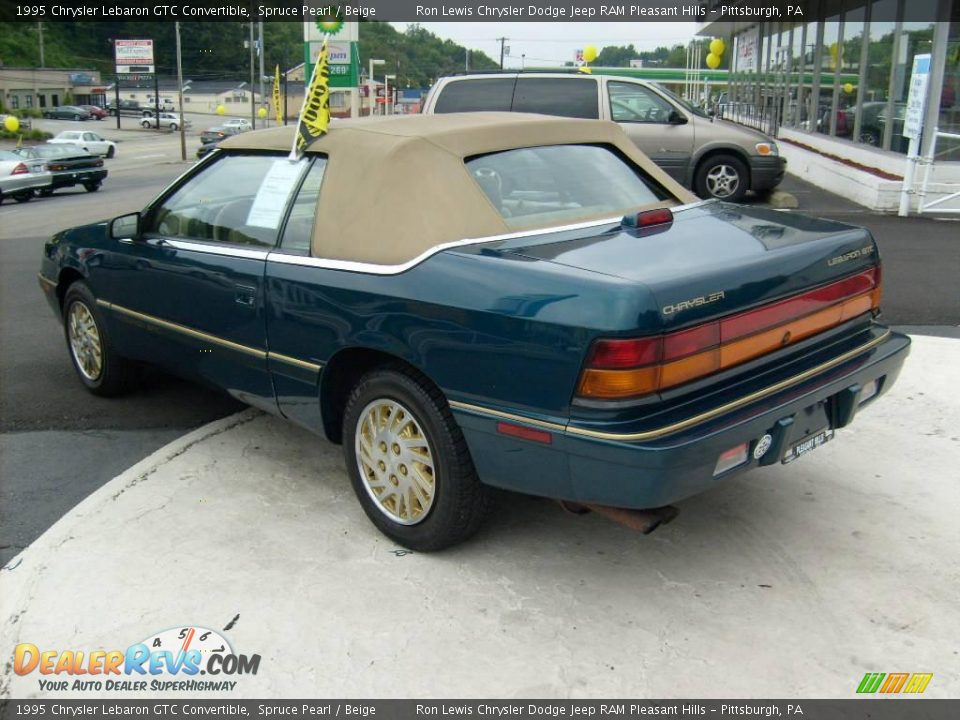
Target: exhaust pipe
645, 521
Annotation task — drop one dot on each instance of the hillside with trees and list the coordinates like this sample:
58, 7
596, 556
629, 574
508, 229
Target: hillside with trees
216, 50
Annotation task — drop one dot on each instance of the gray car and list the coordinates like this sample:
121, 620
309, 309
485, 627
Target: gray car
714, 157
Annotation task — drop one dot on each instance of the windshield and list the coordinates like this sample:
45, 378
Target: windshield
681, 102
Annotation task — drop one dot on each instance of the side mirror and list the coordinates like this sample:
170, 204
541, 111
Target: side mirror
677, 118
125, 227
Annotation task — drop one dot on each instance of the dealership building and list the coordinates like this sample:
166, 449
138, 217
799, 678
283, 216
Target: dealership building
834, 86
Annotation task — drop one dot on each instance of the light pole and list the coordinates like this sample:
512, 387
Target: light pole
183, 131
260, 54
253, 99
386, 93
371, 91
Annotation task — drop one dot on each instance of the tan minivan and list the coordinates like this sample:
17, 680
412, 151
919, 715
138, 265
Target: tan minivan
715, 158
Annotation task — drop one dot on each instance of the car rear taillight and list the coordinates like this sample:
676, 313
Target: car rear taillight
20, 169
58, 167
621, 368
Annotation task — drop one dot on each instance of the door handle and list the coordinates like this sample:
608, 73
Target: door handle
245, 295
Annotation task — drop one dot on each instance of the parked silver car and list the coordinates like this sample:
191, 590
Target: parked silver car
714, 157
170, 121
21, 177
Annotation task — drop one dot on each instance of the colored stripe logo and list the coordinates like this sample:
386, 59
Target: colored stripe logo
894, 683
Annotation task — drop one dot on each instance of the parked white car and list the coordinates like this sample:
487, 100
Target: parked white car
240, 124
167, 120
89, 141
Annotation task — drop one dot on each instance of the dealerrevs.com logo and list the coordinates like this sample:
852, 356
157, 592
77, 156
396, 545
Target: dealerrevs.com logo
178, 659
894, 683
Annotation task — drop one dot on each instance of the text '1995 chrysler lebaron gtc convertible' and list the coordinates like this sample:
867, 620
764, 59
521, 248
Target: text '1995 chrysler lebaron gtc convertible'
487, 300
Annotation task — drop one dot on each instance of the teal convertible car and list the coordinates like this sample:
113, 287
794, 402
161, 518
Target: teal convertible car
486, 300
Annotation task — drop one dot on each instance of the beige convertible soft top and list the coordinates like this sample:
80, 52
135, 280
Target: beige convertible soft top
396, 187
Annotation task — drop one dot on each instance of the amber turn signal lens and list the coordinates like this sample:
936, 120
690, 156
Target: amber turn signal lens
618, 384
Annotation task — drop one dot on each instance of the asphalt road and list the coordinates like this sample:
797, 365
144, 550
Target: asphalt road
58, 443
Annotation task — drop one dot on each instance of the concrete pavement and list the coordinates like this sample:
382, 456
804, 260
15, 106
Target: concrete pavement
792, 581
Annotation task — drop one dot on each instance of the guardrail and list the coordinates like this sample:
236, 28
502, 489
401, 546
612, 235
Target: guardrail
928, 163
759, 117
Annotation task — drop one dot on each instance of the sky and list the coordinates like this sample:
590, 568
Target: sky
553, 43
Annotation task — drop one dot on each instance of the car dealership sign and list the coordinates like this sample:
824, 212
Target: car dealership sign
133, 56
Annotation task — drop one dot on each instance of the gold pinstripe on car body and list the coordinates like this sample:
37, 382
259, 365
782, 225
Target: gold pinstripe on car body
200, 335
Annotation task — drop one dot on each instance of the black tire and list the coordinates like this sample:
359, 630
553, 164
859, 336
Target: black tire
92, 186
459, 502
116, 374
174, 127
46, 192
145, 124
76, 117
23, 197
724, 177
871, 136
111, 151
46, 115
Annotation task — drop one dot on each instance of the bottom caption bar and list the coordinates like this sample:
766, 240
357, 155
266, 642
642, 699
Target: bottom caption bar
874, 709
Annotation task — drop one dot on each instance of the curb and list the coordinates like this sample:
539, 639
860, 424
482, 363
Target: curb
133, 475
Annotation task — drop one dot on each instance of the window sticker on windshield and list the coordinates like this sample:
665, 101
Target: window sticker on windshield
271, 199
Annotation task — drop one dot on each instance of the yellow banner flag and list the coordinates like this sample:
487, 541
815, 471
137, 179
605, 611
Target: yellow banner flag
315, 114
276, 96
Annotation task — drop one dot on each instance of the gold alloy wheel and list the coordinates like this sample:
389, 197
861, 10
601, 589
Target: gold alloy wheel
395, 461
85, 342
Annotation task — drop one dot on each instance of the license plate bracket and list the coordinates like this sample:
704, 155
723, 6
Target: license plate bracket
808, 444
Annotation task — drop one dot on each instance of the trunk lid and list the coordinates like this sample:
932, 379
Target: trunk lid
715, 258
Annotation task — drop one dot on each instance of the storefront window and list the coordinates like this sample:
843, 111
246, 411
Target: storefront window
949, 119
916, 38
848, 88
829, 69
796, 76
879, 66
808, 106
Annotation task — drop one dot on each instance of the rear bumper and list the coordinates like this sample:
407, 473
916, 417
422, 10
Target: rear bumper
651, 469
766, 172
69, 178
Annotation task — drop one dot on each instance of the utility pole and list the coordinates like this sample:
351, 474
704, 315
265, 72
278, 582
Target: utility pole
253, 99
466, 62
183, 130
260, 53
284, 60
40, 30
501, 40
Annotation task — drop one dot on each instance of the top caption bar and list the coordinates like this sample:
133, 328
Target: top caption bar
422, 10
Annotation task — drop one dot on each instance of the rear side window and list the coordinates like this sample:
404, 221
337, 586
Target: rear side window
475, 95
567, 97
543, 186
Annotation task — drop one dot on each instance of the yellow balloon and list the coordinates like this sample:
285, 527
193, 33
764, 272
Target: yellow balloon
11, 123
713, 61
848, 88
262, 113
221, 110
590, 53
717, 47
